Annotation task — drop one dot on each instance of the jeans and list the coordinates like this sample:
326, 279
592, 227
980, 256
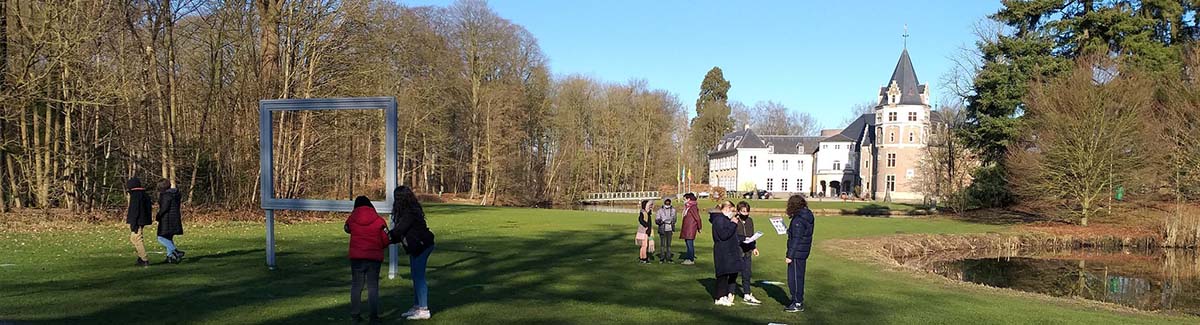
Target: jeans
691, 249
135, 237
364, 271
745, 277
168, 244
796, 280
664, 242
417, 265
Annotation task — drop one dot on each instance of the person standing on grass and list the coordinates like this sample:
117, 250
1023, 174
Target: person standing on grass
799, 244
666, 228
642, 237
745, 230
138, 217
691, 227
727, 254
410, 230
368, 238
170, 220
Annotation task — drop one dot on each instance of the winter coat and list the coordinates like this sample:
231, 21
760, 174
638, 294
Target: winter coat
800, 235
140, 206
170, 222
727, 254
643, 224
665, 219
745, 230
368, 234
691, 221
411, 231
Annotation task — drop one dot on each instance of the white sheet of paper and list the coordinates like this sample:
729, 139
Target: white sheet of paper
757, 234
778, 223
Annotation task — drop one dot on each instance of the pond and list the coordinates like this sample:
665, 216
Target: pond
1150, 280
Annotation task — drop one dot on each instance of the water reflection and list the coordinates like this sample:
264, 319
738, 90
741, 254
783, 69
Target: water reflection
1147, 280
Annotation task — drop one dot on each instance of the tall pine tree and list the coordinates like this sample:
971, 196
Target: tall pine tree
712, 119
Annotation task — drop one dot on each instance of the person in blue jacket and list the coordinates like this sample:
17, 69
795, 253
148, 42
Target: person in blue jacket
799, 244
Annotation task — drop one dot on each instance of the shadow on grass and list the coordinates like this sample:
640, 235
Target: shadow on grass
490, 277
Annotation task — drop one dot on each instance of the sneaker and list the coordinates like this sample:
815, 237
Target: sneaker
750, 300
688, 262
171, 259
794, 308
420, 314
724, 301
141, 262
179, 254
410, 312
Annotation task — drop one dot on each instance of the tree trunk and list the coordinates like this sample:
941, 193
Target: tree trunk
268, 13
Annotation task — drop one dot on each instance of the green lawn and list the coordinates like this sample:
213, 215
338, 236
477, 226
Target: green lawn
497, 265
850, 205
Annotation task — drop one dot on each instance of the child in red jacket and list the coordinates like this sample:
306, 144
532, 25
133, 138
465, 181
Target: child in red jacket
368, 238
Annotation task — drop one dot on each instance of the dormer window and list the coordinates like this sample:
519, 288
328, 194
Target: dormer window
771, 149
800, 149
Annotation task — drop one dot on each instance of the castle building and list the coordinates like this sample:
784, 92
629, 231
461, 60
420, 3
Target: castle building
875, 157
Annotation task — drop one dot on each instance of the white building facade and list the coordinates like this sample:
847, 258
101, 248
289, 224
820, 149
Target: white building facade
875, 157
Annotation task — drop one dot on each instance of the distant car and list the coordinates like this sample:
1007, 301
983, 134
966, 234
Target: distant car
761, 195
702, 194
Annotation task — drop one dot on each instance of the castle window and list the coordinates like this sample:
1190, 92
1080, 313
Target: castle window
891, 116
837, 147
799, 184
799, 165
837, 165
770, 184
891, 183
891, 137
753, 161
770, 165
912, 116
783, 185
891, 160
785, 165
910, 137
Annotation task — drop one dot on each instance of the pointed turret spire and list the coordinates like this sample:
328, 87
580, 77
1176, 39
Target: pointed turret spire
905, 78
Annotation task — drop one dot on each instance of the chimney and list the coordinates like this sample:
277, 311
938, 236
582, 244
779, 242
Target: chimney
830, 132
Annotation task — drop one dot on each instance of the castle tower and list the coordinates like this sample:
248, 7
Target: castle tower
901, 123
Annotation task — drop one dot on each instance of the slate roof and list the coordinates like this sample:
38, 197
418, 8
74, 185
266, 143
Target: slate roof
788, 144
744, 138
906, 79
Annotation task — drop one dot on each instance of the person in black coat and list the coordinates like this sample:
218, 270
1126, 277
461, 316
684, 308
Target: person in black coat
799, 245
138, 217
170, 220
727, 252
410, 230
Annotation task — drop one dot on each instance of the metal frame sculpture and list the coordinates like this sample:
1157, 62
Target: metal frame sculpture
267, 159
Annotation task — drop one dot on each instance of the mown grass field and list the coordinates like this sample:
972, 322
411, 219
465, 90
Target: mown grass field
492, 265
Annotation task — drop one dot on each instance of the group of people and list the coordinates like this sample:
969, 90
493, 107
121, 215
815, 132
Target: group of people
169, 218
369, 236
733, 244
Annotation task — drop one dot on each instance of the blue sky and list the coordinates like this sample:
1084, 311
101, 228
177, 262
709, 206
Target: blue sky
820, 57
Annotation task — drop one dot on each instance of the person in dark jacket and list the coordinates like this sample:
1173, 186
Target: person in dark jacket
138, 217
745, 230
726, 252
799, 244
691, 227
170, 221
642, 236
410, 230
368, 238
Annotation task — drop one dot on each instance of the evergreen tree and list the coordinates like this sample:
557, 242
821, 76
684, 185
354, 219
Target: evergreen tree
712, 119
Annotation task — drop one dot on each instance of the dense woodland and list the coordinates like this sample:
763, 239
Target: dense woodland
96, 91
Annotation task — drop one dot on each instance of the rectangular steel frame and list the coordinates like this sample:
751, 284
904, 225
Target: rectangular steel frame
266, 163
